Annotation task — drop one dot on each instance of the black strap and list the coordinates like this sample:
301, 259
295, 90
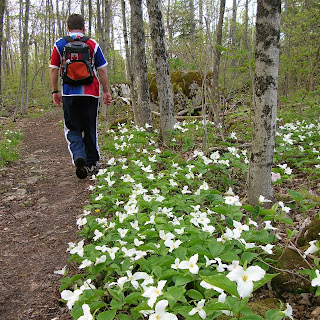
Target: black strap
82, 39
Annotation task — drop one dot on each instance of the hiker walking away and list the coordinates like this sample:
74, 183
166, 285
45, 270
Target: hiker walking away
78, 59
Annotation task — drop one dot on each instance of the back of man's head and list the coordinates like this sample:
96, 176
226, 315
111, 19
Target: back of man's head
75, 22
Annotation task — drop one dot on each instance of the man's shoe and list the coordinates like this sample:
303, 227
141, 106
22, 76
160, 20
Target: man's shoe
91, 170
81, 170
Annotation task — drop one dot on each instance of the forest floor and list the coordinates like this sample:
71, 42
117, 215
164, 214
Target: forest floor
40, 200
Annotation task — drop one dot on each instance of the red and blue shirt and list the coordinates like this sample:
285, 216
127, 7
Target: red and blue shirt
98, 61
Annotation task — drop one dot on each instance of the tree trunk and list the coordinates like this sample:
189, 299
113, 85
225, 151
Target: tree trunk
165, 94
191, 21
90, 17
130, 75
216, 64
107, 23
233, 39
143, 114
2, 9
265, 108
25, 61
200, 15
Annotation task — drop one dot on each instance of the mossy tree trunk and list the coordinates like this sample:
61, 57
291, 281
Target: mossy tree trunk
265, 99
142, 115
165, 94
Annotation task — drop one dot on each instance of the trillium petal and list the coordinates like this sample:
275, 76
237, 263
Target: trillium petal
245, 288
161, 306
255, 273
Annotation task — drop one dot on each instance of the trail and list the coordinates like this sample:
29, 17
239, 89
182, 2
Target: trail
40, 199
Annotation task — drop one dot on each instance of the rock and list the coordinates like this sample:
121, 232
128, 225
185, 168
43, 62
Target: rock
288, 280
311, 232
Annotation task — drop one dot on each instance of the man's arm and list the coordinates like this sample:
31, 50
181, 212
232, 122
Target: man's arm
103, 77
54, 78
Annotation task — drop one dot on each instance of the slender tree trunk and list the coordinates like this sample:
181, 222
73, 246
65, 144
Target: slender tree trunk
24, 60
233, 39
90, 17
99, 26
216, 65
265, 108
200, 15
2, 10
130, 74
165, 94
82, 7
217, 53
192, 22
143, 115
107, 23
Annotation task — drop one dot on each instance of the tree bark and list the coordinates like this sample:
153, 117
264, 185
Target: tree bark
24, 60
2, 10
143, 113
265, 99
163, 79
192, 22
130, 74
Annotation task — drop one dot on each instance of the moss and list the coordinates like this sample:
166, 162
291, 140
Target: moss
311, 232
181, 82
259, 307
288, 280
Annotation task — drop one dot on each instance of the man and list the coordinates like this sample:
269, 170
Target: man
80, 102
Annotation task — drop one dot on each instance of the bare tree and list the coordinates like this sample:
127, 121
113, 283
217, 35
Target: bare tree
143, 111
265, 100
24, 51
192, 22
2, 10
165, 94
130, 74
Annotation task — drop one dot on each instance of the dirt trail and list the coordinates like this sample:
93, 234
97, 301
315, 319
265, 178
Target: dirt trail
40, 199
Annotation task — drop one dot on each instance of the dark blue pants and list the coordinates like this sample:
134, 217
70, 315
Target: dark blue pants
80, 127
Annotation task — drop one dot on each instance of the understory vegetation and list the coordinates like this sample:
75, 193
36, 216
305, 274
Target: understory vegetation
168, 233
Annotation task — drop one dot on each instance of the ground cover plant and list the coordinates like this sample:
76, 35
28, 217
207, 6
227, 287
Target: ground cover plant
168, 235
9, 145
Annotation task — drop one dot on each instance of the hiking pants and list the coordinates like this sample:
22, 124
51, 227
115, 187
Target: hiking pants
80, 127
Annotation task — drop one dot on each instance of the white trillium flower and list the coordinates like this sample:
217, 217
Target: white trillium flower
122, 232
76, 248
101, 259
112, 252
61, 271
268, 226
262, 199
312, 249
172, 244
199, 309
97, 235
71, 297
166, 236
176, 264
245, 279
154, 292
267, 248
160, 313
190, 264
288, 311
81, 222
185, 190
316, 281
85, 263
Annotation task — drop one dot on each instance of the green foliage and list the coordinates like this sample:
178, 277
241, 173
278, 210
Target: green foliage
9, 144
161, 227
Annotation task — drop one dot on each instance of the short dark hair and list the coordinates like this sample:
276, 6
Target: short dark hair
75, 21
